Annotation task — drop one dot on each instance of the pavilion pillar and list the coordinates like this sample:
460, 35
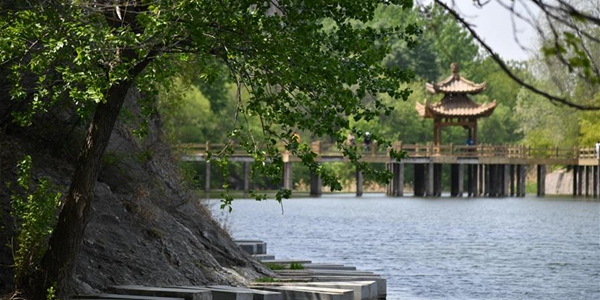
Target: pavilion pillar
475, 132
419, 180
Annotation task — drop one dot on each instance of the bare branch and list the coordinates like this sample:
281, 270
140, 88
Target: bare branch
506, 69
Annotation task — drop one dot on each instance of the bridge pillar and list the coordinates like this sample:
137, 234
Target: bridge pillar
207, 181
521, 180
580, 181
359, 182
437, 180
396, 185
587, 181
456, 179
512, 180
429, 179
575, 180
595, 181
488, 172
287, 175
541, 180
505, 180
480, 179
246, 179
495, 180
419, 180
474, 186
469, 180
316, 184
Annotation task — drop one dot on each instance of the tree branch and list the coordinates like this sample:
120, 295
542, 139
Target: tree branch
506, 69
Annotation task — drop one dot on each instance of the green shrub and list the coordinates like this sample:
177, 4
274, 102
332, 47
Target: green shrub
34, 209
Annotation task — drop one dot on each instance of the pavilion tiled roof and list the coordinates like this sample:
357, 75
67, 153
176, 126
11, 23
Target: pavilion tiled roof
456, 102
455, 84
455, 106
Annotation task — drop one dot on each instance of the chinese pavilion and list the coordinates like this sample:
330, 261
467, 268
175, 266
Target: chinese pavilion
455, 108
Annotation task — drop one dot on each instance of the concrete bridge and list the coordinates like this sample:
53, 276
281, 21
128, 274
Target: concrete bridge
480, 170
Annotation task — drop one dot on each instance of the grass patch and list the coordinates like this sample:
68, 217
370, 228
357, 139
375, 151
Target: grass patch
265, 279
274, 266
296, 266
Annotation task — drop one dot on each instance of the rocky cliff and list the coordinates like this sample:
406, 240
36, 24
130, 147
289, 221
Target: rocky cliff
146, 227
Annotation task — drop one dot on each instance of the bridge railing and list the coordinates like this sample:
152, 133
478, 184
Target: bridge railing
421, 150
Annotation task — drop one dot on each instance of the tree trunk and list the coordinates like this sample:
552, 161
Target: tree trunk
67, 237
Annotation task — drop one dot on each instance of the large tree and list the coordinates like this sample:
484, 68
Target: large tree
90, 53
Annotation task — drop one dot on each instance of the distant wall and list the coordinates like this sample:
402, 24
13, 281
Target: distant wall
559, 182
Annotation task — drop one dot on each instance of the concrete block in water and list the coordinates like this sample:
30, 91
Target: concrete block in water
285, 261
362, 290
314, 266
187, 294
123, 297
381, 282
253, 247
223, 294
262, 257
257, 294
293, 292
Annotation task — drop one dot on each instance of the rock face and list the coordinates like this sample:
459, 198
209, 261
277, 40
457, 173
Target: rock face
146, 227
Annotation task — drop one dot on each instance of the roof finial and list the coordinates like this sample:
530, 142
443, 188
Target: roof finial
455, 68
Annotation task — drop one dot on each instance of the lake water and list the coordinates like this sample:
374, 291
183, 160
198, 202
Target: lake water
442, 248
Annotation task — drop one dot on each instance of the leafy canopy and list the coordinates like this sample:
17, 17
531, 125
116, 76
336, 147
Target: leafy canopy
299, 75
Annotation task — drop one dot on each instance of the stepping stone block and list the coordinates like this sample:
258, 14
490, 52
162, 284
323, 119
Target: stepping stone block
363, 290
123, 297
187, 294
253, 247
257, 294
223, 294
329, 267
310, 293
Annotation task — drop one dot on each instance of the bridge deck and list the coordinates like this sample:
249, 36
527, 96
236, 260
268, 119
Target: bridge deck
427, 153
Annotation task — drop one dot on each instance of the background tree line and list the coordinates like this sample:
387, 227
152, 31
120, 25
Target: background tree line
203, 111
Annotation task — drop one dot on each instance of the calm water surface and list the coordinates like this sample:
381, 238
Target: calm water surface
440, 248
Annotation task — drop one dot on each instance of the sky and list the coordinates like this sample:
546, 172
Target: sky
493, 23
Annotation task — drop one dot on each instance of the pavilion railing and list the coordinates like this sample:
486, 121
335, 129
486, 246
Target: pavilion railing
420, 150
